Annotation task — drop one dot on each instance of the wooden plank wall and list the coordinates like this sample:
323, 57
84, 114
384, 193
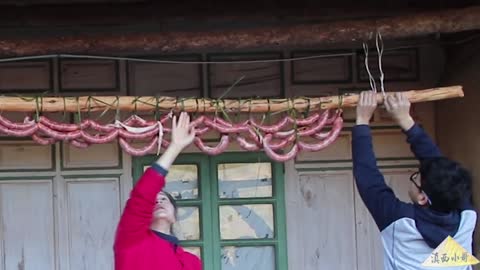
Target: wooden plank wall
58, 210
458, 133
326, 221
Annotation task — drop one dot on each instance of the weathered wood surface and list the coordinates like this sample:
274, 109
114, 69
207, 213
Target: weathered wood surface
151, 103
278, 37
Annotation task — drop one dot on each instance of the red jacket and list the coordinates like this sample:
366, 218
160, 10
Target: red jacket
136, 246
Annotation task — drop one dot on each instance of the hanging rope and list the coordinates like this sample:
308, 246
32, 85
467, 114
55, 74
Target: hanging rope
373, 86
379, 44
380, 48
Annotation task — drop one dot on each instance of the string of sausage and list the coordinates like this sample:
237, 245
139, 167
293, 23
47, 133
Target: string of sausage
250, 135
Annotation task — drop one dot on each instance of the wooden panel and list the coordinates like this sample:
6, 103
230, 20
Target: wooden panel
338, 150
399, 181
369, 242
25, 76
369, 245
26, 225
89, 75
391, 144
93, 210
15, 117
397, 65
457, 119
331, 69
325, 239
386, 143
24, 155
95, 156
259, 79
153, 79
349, 115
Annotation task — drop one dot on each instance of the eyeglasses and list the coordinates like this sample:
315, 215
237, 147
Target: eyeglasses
414, 177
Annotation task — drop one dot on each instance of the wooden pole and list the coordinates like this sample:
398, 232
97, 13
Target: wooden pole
151, 103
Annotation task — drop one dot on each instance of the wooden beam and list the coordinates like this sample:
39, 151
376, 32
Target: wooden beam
277, 37
149, 103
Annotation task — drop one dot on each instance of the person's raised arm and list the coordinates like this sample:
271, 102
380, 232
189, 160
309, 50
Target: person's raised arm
138, 213
377, 196
182, 136
421, 144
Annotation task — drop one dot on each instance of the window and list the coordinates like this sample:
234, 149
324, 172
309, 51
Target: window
231, 209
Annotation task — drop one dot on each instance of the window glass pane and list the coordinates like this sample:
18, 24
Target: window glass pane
182, 181
194, 250
246, 221
188, 223
244, 180
248, 258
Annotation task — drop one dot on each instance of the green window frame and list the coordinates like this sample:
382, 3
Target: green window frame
209, 203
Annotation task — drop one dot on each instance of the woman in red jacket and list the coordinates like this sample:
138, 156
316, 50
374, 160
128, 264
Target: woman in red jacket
143, 238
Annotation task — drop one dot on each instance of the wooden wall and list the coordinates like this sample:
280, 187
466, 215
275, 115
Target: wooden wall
59, 206
457, 120
326, 221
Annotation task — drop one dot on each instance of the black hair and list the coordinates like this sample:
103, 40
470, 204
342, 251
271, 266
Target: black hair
175, 208
172, 201
445, 182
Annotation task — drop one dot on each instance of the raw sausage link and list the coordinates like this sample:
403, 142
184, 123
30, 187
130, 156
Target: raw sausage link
322, 120
80, 144
244, 144
220, 148
9, 124
99, 127
252, 134
330, 120
42, 141
224, 129
99, 139
198, 121
57, 125
275, 156
272, 128
282, 143
332, 136
202, 131
59, 135
129, 135
306, 121
19, 132
135, 120
138, 152
319, 125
